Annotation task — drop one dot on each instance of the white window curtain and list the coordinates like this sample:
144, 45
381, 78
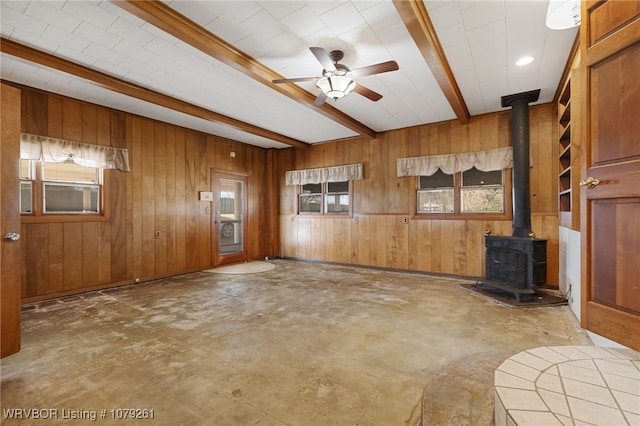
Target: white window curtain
54, 150
324, 174
494, 159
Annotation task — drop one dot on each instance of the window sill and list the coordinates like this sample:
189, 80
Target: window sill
63, 218
325, 215
462, 216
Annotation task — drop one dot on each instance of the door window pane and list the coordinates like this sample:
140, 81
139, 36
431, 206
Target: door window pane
231, 231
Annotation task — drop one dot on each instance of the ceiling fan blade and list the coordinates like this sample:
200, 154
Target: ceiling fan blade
294, 80
320, 99
323, 57
376, 69
367, 93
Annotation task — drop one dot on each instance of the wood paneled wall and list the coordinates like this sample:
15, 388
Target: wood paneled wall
170, 165
376, 235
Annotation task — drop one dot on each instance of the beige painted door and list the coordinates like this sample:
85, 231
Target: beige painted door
9, 221
610, 194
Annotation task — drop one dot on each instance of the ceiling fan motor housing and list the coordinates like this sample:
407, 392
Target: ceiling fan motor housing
336, 55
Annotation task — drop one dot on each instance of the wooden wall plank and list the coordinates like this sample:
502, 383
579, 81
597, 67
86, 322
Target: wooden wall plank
190, 194
160, 197
71, 120
459, 241
169, 166
134, 132
54, 117
55, 283
34, 113
89, 123
179, 201
381, 200
203, 220
73, 255
170, 202
147, 162
381, 241
474, 248
122, 232
38, 249
103, 137
89, 244
363, 240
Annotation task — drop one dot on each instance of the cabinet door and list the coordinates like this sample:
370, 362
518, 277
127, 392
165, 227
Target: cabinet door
610, 40
9, 221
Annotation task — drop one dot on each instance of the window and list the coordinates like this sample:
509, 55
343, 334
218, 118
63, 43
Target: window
469, 192
67, 188
324, 198
482, 192
337, 197
435, 193
59, 176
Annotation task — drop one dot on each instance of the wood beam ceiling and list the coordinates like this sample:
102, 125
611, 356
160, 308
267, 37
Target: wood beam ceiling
121, 86
170, 21
415, 18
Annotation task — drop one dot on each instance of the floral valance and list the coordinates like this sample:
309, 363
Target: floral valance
54, 150
494, 159
325, 174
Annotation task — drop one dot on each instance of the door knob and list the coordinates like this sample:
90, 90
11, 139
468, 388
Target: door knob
12, 236
590, 182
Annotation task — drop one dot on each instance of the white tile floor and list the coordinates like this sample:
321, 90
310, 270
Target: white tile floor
569, 385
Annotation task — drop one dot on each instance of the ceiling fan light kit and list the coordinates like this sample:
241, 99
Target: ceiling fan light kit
337, 80
336, 85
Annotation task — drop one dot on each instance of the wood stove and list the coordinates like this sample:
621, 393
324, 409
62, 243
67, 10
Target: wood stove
518, 263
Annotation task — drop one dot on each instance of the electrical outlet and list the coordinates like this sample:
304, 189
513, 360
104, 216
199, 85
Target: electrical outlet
405, 219
157, 234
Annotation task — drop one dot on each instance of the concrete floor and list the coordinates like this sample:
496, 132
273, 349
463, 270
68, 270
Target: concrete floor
303, 344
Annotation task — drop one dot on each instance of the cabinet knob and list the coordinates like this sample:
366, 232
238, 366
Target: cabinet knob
590, 182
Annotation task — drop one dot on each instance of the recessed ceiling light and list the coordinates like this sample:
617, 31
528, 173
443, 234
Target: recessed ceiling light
525, 60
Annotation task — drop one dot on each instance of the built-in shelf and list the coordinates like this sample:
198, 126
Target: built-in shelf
564, 122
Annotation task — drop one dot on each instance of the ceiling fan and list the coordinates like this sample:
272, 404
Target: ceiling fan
337, 80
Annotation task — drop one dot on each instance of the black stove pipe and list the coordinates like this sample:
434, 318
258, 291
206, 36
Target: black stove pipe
519, 104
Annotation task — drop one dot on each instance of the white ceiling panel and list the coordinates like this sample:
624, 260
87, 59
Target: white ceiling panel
481, 41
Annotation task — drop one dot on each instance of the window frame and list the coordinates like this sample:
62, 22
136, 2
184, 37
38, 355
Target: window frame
457, 213
38, 215
323, 201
